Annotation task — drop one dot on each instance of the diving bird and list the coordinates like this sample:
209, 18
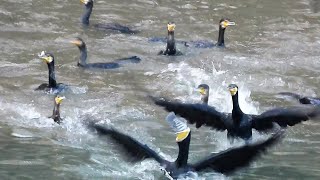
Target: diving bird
56, 109
225, 162
302, 99
53, 86
223, 24
108, 65
88, 6
171, 49
237, 123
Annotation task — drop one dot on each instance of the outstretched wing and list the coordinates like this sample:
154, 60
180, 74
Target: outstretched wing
288, 116
200, 114
229, 160
134, 150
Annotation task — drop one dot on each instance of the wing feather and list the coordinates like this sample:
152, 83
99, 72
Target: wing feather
288, 116
199, 114
134, 150
230, 160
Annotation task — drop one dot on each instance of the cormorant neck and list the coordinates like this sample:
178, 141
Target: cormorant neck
56, 111
236, 111
182, 159
83, 55
52, 77
205, 99
221, 36
171, 45
86, 15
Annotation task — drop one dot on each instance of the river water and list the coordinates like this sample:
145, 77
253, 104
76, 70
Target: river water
274, 47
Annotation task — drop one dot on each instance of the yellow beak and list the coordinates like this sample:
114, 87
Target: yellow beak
225, 24
201, 91
171, 27
76, 42
83, 1
59, 99
47, 59
233, 91
182, 135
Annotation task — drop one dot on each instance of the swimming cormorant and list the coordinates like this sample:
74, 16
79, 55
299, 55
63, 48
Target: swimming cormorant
171, 44
224, 162
88, 5
302, 99
223, 24
237, 123
53, 86
109, 65
56, 109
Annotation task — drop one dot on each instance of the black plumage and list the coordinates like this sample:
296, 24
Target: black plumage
52, 86
223, 24
171, 49
224, 162
237, 123
56, 109
88, 6
108, 65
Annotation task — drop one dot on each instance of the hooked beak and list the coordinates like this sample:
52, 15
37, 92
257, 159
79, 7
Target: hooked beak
227, 23
76, 42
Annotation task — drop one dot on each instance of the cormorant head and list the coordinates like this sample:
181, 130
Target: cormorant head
79, 42
171, 26
58, 99
47, 57
224, 23
87, 3
233, 89
203, 89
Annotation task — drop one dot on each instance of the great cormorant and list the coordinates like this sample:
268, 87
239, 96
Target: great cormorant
109, 65
88, 5
171, 49
56, 109
53, 86
237, 123
224, 162
302, 99
223, 24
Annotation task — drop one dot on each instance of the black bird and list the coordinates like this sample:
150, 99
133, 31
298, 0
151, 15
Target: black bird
237, 123
302, 99
223, 24
171, 49
109, 65
225, 162
56, 109
88, 5
53, 86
